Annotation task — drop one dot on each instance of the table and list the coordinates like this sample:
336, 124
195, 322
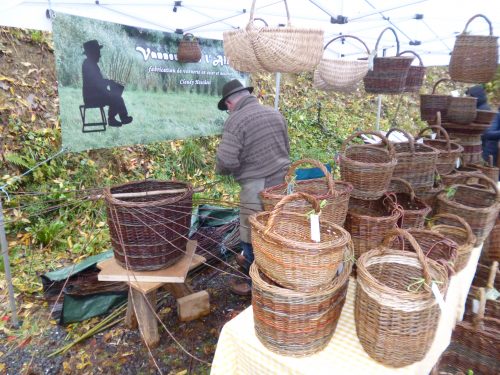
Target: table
239, 351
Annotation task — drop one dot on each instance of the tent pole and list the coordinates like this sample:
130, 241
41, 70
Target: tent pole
379, 109
8, 277
277, 96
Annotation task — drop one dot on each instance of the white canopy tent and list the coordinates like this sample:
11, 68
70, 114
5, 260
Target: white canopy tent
427, 27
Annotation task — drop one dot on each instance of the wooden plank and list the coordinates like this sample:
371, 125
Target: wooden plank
148, 324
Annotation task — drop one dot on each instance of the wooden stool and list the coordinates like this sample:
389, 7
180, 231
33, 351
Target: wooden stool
143, 288
94, 126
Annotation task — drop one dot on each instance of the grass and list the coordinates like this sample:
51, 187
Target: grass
157, 116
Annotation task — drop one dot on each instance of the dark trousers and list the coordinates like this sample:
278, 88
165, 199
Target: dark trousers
114, 101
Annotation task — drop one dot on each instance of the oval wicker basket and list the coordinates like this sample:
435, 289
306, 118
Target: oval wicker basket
448, 152
474, 58
369, 169
446, 224
413, 210
389, 73
335, 193
431, 104
149, 232
416, 162
342, 74
188, 50
293, 323
396, 316
416, 74
477, 205
285, 252
320, 84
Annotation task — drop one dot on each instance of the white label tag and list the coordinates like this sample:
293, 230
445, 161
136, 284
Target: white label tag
438, 296
315, 234
475, 306
457, 163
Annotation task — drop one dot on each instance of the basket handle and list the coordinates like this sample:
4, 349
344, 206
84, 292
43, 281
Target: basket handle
252, 11
395, 35
398, 232
470, 234
415, 54
406, 185
411, 141
438, 82
482, 16
440, 130
375, 133
482, 177
287, 199
329, 178
492, 274
347, 36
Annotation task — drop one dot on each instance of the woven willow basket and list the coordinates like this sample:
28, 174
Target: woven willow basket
369, 169
396, 317
484, 116
416, 74
491, 249
429, 194
488, 169
285, 252
335, 193
293, 323
342, 74
456, 229
320, 84
431, 104
188, 50
461, 109
474, 58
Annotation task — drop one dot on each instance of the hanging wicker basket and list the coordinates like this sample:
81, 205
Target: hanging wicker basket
149, 232
294, 323
431, 104
189, 50
474, 58
448, 152
369, 169
477, 205
335, 193
389, 73
396, 315
285, 252
416, 74
456, 229
342, 74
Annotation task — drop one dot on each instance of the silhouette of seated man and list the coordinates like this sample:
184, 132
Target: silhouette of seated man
95, 87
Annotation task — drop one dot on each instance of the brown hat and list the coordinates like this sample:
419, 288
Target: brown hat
230, 88
91, 45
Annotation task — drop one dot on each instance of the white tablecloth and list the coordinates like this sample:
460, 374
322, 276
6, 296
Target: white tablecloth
239, 351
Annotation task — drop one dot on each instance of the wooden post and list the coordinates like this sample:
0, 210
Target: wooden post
148, 325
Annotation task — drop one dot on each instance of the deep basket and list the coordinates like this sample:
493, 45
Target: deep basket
149, 231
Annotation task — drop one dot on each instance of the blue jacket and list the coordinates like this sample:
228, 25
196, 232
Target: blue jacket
490, 139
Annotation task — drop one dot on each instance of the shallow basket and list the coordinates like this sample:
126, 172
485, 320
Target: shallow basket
431, 104
284, 250
293, 323
149, 232
335, 193
396, 326
413, 210
369, 169
474, 58
477, 205
456, 229
368, 222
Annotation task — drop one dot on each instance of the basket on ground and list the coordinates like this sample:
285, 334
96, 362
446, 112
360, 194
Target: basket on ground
149, 231
477, 205
335, 193
293, 323
369, 169
474, 58
395, 311
284, 250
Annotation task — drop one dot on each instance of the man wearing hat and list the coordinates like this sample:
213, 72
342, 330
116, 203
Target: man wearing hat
95, 87
254, 149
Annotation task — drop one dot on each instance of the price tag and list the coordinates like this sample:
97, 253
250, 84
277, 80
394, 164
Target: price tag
289, 188
475, 306
438, 296
315, 233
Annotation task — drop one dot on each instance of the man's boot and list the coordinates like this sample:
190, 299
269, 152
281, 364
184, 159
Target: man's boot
114, 122
126, 119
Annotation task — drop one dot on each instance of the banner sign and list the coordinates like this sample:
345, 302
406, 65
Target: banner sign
121, 85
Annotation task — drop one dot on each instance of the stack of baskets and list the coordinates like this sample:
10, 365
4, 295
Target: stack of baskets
298, 285
149, 231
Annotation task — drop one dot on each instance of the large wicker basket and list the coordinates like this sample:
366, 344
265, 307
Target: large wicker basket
456, 229
294, 323
431, 104
416, 74
448, 152
416, 162
389, 73
342, 74
474, 58
284, 250
461, 109
368, 222
335, 193
478, 205
369, 169
149, 231
397, 315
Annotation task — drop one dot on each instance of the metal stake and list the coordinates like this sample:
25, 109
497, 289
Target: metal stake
277, 96
379, 110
